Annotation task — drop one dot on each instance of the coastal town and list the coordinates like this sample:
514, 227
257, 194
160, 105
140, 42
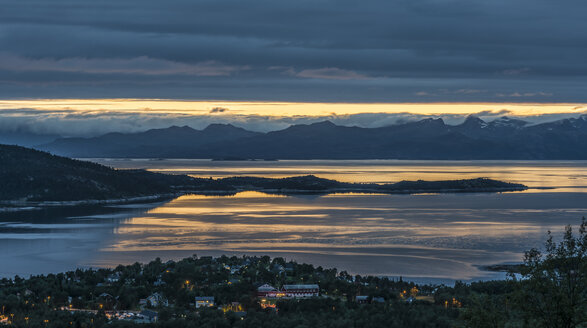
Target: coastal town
234, 287
273, 292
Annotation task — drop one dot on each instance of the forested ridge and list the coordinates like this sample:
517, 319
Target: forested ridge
32, 175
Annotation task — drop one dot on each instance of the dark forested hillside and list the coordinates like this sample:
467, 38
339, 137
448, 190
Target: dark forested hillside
32, 175
28, 174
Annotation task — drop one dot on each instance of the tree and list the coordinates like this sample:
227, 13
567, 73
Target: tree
487, 311
553, 288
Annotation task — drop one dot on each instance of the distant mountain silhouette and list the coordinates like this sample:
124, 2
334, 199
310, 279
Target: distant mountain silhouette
504, 138
174, 141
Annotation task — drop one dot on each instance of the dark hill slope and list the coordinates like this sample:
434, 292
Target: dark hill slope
34, 176
28, 174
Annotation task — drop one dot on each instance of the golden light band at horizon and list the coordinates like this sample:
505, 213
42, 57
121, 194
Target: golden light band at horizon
197, 107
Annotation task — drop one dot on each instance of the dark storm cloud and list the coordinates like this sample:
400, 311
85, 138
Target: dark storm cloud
218, 110
399, 50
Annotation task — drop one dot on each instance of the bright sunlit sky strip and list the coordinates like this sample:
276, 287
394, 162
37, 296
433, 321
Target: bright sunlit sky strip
283, 108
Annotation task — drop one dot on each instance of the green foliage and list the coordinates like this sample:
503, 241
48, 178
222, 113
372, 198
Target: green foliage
553, 291
549, 291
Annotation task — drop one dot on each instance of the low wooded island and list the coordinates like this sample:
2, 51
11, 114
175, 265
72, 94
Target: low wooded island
31, 176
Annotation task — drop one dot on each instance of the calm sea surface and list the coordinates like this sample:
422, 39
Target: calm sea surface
428, 237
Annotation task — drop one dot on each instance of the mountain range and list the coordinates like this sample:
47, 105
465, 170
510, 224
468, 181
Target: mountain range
503, 138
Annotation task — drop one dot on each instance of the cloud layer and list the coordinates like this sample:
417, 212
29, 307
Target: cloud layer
308, 50
72, 123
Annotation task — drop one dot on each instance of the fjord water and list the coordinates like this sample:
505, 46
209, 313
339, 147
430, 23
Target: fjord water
430, 237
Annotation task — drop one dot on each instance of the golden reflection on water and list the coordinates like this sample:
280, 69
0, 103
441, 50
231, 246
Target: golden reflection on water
425, 235
434, 235
196, 221
566, 176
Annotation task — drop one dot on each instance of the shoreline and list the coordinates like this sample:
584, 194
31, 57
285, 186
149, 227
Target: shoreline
20, 205
496, 274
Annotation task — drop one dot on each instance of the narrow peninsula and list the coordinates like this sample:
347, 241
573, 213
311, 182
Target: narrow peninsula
34, 177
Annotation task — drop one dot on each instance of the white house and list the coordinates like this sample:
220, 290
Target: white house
204, 301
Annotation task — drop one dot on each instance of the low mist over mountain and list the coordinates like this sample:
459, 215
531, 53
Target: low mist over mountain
504, 138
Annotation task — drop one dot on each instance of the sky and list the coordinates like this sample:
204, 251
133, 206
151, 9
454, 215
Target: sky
229, 58
93, 117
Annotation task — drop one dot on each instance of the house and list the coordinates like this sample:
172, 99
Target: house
366, 300
278, 269
113, 277
235, 269
266, 291
234, 307
378, 300
156, 300
299, 291
288, 291
159, 282
149, 315
362, 299
106, 295
204, 301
